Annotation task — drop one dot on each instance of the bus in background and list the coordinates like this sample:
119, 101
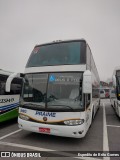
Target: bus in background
60, 94
115, 91
105, 93
9, 100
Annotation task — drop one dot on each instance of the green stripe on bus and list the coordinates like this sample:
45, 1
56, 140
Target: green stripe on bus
9, 115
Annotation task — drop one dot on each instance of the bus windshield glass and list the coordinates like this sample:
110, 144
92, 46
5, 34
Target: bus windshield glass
53, 91
118, 77
58, 54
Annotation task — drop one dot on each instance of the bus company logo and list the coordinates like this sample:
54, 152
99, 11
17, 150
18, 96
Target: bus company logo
45, 119
23, 110
45, 114
52, 78
6, 100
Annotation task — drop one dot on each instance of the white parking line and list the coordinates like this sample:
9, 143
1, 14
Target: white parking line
7, 135
105, 134
113, 126
44, 149
25, 146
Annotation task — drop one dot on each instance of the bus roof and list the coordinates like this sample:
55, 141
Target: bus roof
61, 41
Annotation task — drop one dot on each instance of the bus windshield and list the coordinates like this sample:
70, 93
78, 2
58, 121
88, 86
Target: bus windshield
118, 78
63, 53
53, 91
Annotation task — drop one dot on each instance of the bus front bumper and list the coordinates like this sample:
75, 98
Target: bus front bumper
78, 131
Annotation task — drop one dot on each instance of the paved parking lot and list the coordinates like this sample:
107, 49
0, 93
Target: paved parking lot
103, 135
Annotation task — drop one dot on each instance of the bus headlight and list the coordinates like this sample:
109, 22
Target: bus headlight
24, 117
74, 122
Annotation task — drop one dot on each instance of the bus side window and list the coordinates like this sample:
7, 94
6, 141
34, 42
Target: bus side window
2, 88
3, 79
16, 86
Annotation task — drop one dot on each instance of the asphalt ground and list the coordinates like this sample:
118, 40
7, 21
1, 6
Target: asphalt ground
103, 135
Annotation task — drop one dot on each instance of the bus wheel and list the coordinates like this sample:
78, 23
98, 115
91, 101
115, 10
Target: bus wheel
92, 117
99, 103
93, 114
111, 105
114, 106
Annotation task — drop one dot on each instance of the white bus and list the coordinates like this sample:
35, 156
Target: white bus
115, 91
60, 94
9, 96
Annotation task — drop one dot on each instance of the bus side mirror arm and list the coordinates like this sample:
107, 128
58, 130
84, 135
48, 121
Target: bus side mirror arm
9, 80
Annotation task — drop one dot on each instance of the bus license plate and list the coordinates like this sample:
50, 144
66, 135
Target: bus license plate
44, 130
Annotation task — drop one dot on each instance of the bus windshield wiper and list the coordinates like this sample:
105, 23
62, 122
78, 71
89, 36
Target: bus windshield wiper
32, 105
61, 105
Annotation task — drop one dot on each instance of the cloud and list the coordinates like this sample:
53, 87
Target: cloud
23, 24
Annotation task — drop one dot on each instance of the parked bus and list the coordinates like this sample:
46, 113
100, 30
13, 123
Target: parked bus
104, 92
115, 91
9, 101
60, 94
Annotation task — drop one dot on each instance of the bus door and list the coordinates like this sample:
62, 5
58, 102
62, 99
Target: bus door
87, 99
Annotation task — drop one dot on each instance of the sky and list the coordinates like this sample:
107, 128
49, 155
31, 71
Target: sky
25, 23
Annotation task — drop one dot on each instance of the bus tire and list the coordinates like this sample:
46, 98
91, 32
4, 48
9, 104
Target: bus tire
93, 113
99, 103
92, 117
114, 106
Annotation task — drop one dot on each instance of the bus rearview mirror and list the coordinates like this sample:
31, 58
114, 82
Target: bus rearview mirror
9, 80
114, 80
87, 82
